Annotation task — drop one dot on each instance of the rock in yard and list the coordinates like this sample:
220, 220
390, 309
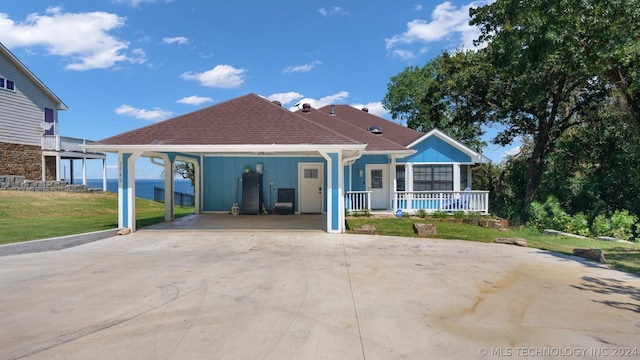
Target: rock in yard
365, 229
590, 254
511, 241
424, 230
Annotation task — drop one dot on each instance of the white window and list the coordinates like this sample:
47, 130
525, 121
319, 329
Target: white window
7, 84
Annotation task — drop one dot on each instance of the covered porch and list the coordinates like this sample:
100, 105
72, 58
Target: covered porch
56, 149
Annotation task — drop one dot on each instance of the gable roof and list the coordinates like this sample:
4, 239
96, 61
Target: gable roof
374, 142
246, 120
363, 119
476, 157
31, 76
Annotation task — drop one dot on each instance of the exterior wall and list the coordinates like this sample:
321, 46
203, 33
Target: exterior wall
221, 174
360, 183
435, 150
22, 110
23, 160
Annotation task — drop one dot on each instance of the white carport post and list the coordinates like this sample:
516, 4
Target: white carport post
169, 186
127, 190
334, 193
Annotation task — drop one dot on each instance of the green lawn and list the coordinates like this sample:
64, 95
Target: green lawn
620, 256
26, 215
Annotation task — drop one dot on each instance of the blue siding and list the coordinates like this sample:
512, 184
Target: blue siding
359, 183
433, 150
220, 175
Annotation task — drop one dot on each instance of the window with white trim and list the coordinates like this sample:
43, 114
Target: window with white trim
7, 84
432, 177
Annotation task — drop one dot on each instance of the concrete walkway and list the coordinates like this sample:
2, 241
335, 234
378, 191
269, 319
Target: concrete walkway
215, 294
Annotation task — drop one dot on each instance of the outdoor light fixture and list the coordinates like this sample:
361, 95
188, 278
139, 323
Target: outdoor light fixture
360, 173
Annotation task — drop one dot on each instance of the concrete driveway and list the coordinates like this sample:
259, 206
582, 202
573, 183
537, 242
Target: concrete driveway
217, 294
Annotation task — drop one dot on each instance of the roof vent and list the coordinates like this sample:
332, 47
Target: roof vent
333, 110
376, 130
277, 102
306, 107
365, 109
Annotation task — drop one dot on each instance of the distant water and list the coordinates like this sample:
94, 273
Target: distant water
144, 187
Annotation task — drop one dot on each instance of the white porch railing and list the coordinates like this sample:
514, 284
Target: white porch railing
447, 201
64, 143
357, 201
429, 201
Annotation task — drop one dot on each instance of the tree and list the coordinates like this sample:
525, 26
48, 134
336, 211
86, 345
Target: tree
186, 170
437, 96
554, 60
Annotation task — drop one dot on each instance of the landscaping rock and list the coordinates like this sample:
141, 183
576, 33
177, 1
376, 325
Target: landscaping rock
424, 230
590, 254
512, 241
365, 229
124, 231
472, 221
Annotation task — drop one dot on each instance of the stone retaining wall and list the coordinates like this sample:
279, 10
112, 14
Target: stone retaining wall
12, 182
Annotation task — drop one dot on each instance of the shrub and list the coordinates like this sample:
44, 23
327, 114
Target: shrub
601, 226
421, 213
579, 225
622, 224
440, 215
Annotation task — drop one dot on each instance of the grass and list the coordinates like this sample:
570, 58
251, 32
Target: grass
26, 215
620, 256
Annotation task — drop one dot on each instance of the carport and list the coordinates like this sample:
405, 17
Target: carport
224, 139
229, 222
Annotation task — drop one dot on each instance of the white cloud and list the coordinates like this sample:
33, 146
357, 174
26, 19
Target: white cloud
327, 100
136, 3
404, 54
194, 100
417, 7
301, 68
143, 114
375, 108
221, 76
82, 38
336, 10
447, 20
285, 98
510, 152
176, 40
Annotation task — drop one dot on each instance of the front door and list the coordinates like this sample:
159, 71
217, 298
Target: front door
378, 184
311, 185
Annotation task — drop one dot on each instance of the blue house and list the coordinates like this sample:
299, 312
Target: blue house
335, 160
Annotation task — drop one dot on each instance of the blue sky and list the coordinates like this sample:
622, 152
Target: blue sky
123, 64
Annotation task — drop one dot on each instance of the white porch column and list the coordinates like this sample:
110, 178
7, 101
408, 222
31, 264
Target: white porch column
44, 168
127, 190
169, 185
393, 182
334, 192
58, 167
456, 177
104, 174
84, 171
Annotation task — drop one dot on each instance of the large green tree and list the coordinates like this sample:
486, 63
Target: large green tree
448, 93
554, 61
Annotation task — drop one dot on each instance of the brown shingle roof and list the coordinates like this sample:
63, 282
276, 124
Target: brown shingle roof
246, 120
374, 142
390, 130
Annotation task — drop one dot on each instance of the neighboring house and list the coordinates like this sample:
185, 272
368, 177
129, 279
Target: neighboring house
30, 145
336, 159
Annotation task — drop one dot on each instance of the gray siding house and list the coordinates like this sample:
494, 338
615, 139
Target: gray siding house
30, 144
